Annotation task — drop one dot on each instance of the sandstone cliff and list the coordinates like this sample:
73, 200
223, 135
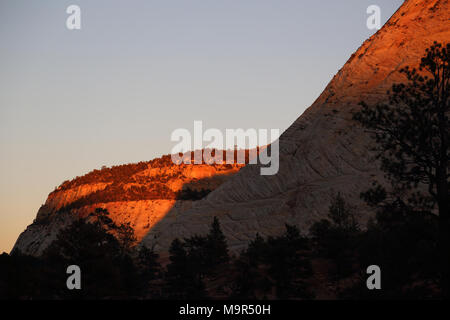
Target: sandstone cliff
140, 194
322, 153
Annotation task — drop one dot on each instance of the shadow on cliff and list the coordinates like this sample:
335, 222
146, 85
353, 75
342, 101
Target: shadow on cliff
191, 192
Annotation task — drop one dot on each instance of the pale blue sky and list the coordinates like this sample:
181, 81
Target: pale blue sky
112, 93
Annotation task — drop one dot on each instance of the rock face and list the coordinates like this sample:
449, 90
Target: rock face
139, 194
324, 152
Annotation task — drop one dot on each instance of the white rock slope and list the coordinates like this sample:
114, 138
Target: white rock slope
324, 151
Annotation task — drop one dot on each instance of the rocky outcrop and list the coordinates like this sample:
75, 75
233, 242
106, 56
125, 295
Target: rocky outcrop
323, 152
146, 193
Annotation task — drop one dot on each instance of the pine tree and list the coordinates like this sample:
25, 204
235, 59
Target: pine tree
107, 271
124, 233
148, 261
340, 213
183, 278
412, 132
217, 248
336, 237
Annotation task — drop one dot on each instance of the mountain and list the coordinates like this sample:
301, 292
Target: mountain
139, 194
322, 153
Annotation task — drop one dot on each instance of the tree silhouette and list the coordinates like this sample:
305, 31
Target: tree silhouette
336, 237
193, 259
124, 233
413, 134
103, 251
148, 261
217, 248
341, 214
106, 271
184, 277
280, 263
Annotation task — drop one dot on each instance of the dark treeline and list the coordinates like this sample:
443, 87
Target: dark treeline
329, 264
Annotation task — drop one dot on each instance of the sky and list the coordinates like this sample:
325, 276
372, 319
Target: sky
113, 92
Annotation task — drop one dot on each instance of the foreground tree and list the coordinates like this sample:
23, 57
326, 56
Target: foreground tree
412, 132
148, 263
217, 248
123, 232
95, 245
193, 259
274, 267
184, 277
336, 238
